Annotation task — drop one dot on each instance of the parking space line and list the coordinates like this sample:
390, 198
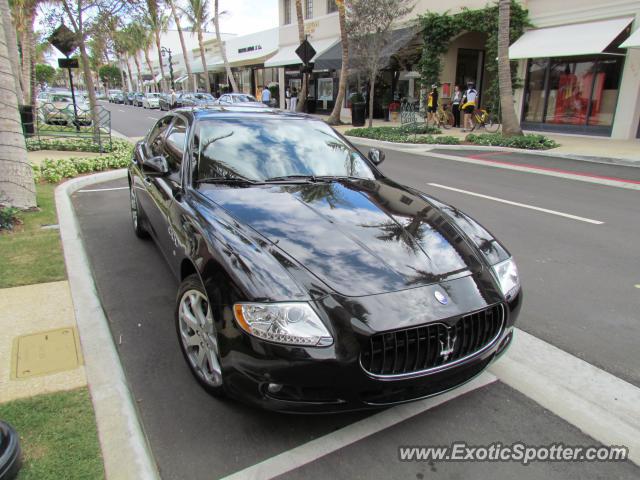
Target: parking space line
88, 190
600, 404
319, 447
518, 204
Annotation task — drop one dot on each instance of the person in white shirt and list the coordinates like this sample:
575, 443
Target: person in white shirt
287, 98
294, 99
469, 100
266, 96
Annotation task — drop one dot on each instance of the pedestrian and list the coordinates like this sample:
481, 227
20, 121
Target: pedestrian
287, 98
469, 105
266, 96
173, 98
455, 102
432, 104
294, 99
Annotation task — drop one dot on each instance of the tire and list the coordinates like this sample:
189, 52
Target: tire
197, 335
10, 452
137, 217
447, 120
492, 125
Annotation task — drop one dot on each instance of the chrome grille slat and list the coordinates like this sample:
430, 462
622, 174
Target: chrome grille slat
418, 349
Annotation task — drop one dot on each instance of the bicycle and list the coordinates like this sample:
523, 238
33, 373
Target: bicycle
481, 118
443, 118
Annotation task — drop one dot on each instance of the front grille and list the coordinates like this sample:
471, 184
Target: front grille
425, 347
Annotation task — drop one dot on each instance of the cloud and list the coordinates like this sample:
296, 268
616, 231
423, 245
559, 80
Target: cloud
248, 16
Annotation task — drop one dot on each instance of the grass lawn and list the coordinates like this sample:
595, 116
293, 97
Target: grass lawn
58, 436
31, 254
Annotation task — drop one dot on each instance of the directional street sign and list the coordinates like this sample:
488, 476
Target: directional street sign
64, 40
305, 51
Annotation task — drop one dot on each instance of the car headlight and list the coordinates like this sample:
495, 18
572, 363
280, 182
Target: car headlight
289, 323
508, 277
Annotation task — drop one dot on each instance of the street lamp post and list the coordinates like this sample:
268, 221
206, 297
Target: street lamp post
168, 52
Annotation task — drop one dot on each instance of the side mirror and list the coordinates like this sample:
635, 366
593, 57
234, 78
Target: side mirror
155, 166
376, 156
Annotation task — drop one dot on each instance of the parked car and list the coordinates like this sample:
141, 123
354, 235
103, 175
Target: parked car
203, 100
111, 94
118, 98
57, 109
129, 98
137, 99
240, 99
165, 102
151, 100
310, 281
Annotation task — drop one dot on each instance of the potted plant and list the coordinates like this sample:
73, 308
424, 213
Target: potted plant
394, 110
357, 109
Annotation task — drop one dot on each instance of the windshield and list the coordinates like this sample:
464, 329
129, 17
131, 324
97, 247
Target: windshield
258, 149
244, 98
153, 95
204, 96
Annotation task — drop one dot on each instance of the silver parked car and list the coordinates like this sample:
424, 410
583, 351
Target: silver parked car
239, 100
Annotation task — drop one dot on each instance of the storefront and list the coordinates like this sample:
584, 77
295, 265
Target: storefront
573, 76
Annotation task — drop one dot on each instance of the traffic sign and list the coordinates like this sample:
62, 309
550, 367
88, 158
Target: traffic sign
64, 40
68, 63
305, 51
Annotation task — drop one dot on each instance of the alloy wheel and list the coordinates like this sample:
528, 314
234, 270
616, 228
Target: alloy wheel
198, 337
134, 207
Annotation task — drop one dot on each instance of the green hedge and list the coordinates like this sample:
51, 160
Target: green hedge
54, 171
70, 145
527, 142
407, 134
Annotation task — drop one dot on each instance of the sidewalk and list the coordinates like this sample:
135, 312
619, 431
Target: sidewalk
575, 146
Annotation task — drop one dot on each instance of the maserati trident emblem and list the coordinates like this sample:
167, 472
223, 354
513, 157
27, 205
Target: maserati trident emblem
441, 297
447, 345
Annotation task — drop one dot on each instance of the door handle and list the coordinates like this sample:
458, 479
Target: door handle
147, 180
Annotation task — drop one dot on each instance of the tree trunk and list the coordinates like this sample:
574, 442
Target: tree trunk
334, 118
122, 77
138, 70
302, 94
131, 84
204, 60
12, 47
372, 83
510, 124
26, 66
162, 82
88, 77
223, 49
16, 176
148, 60
190, 82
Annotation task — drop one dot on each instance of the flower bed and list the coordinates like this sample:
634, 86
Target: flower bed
527, 142
415, 133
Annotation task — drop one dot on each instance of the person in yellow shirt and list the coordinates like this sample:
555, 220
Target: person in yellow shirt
432, 104
469, 100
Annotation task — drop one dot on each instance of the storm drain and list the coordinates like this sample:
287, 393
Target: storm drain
44, 353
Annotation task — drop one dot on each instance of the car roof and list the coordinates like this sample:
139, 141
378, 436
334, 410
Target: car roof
220, 111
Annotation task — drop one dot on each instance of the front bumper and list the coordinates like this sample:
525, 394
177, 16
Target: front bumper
331, 379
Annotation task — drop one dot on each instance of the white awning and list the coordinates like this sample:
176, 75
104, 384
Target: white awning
633, 41
287, 55
181, 79
568, 40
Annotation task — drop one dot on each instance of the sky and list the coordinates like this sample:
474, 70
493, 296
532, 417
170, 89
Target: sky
248, 16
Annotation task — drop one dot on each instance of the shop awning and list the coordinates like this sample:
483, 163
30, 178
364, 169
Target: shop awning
181, 79
287, 55
399, 40
633, 41
568, 40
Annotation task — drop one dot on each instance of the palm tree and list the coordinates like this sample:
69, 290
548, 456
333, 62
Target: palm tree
334, 118
16, 176
185, 55
136, 42
197, 13
510, 124
158, 22
24, 13
12, 48
302, 95
223, 49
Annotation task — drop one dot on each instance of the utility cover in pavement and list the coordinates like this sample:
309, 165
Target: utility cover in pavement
47, 352
305, 51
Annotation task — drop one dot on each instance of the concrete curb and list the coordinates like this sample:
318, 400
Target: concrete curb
545, 153
125, 451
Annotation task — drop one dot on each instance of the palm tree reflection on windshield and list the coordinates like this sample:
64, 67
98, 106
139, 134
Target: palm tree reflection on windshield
208, 166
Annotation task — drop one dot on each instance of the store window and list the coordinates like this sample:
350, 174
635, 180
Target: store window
332, 6
287, 11
572, 91
308, 9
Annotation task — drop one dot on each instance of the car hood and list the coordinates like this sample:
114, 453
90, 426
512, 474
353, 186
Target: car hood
360, 237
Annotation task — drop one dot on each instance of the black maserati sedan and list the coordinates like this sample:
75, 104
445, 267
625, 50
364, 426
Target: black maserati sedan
310, 281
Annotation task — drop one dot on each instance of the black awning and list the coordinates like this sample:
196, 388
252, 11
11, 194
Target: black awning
399, 41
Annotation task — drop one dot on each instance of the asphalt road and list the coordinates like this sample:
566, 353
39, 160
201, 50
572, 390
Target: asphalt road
581, 295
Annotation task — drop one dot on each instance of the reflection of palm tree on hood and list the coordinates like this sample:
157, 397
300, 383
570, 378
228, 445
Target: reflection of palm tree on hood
410, 235
316, 193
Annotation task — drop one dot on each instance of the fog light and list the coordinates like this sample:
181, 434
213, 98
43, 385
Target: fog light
274, 387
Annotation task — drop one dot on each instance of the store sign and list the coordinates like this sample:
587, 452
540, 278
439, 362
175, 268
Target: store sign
251, 48
310, 27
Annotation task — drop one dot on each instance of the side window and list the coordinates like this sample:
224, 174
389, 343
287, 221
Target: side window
153, 145
175, 144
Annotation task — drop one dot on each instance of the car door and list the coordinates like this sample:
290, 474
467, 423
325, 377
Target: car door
150, 192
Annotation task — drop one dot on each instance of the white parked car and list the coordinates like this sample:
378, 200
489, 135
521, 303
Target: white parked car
56, 108
151, 100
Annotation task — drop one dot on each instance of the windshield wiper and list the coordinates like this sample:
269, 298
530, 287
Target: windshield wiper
288, 178
227, 180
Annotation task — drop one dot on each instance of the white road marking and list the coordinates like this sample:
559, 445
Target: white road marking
120, 110
153, 118
600, 404
517, 204
88, 190
319, 447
